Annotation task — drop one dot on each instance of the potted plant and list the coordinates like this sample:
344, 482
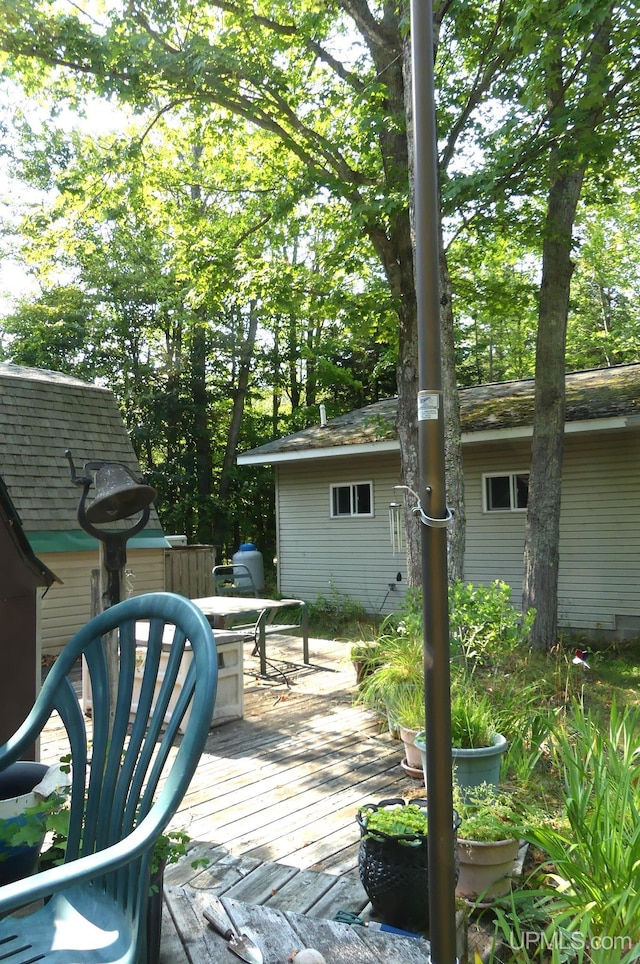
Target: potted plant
393, 860
365, 658
397, 676
31, 796
476, 746
488, 842
169, 848
409, 712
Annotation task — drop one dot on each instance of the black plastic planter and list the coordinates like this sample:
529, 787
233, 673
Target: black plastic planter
394, 871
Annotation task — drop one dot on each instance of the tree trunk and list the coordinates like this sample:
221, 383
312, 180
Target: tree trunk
567, 164
239, 397
542, 530
456, 533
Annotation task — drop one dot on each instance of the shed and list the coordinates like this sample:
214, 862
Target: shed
334, 486
43, 414
22, 577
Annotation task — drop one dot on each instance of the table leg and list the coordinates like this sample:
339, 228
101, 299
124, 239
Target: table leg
261, 642
304, 623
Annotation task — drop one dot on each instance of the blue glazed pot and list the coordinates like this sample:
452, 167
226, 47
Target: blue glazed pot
472, 767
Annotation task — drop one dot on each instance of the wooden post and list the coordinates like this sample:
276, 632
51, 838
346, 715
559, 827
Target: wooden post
111, 585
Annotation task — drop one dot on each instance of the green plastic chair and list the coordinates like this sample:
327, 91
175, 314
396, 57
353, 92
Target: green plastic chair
124, 788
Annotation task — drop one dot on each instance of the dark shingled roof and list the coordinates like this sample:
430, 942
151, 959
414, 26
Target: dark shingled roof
44, 413
599, 393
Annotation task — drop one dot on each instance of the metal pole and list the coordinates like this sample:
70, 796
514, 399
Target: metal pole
432, 495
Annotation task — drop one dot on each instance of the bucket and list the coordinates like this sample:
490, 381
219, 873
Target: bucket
17, 783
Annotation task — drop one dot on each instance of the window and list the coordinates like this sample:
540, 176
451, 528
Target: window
353, 499
506, 493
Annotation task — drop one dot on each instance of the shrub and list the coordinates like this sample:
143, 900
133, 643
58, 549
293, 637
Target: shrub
593, 888
483, 624
335, 613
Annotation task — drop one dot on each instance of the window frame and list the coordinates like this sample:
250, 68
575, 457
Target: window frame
512, 476
352, 486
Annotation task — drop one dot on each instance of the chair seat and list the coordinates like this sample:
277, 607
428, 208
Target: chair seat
77, 926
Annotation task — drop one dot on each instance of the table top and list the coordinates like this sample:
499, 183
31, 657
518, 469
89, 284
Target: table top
279, 934
226, 605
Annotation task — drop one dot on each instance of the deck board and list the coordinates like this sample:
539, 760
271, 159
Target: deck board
272, 804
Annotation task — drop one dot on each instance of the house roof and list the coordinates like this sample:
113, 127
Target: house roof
596, 399
43, 414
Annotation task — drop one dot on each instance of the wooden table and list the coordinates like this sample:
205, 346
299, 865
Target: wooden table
258, 615
280, 934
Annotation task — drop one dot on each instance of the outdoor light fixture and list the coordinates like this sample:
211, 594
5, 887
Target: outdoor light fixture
118, 495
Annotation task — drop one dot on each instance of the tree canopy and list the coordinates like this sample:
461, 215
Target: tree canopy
236, 248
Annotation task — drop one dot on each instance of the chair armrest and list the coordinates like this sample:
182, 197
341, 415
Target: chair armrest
80, 871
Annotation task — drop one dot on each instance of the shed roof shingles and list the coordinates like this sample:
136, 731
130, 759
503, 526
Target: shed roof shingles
43, 414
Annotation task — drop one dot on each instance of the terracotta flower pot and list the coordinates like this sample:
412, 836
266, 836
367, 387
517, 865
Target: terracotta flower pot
412, 753
485, 867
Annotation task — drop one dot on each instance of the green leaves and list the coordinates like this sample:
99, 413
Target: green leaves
596, 853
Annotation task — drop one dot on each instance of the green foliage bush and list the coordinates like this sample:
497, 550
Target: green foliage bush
594, 887
484, 626
335, 614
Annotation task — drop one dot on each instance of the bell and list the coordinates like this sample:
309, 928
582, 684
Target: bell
118, 495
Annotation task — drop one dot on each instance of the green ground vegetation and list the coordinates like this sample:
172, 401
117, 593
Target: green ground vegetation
572, 770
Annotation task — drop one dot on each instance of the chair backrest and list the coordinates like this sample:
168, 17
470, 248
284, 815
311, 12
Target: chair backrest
233, 580
128, 778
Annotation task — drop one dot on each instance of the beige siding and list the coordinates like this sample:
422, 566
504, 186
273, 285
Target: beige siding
66, 607
494, 539
318, 554
599, 532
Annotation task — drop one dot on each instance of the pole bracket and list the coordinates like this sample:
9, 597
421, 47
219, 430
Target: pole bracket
419, 511
429, 521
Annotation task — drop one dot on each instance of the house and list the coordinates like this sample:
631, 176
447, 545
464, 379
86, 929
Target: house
22, 575
43, 414
335, 483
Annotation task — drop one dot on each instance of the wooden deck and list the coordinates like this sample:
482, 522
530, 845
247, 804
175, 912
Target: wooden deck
272, 805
